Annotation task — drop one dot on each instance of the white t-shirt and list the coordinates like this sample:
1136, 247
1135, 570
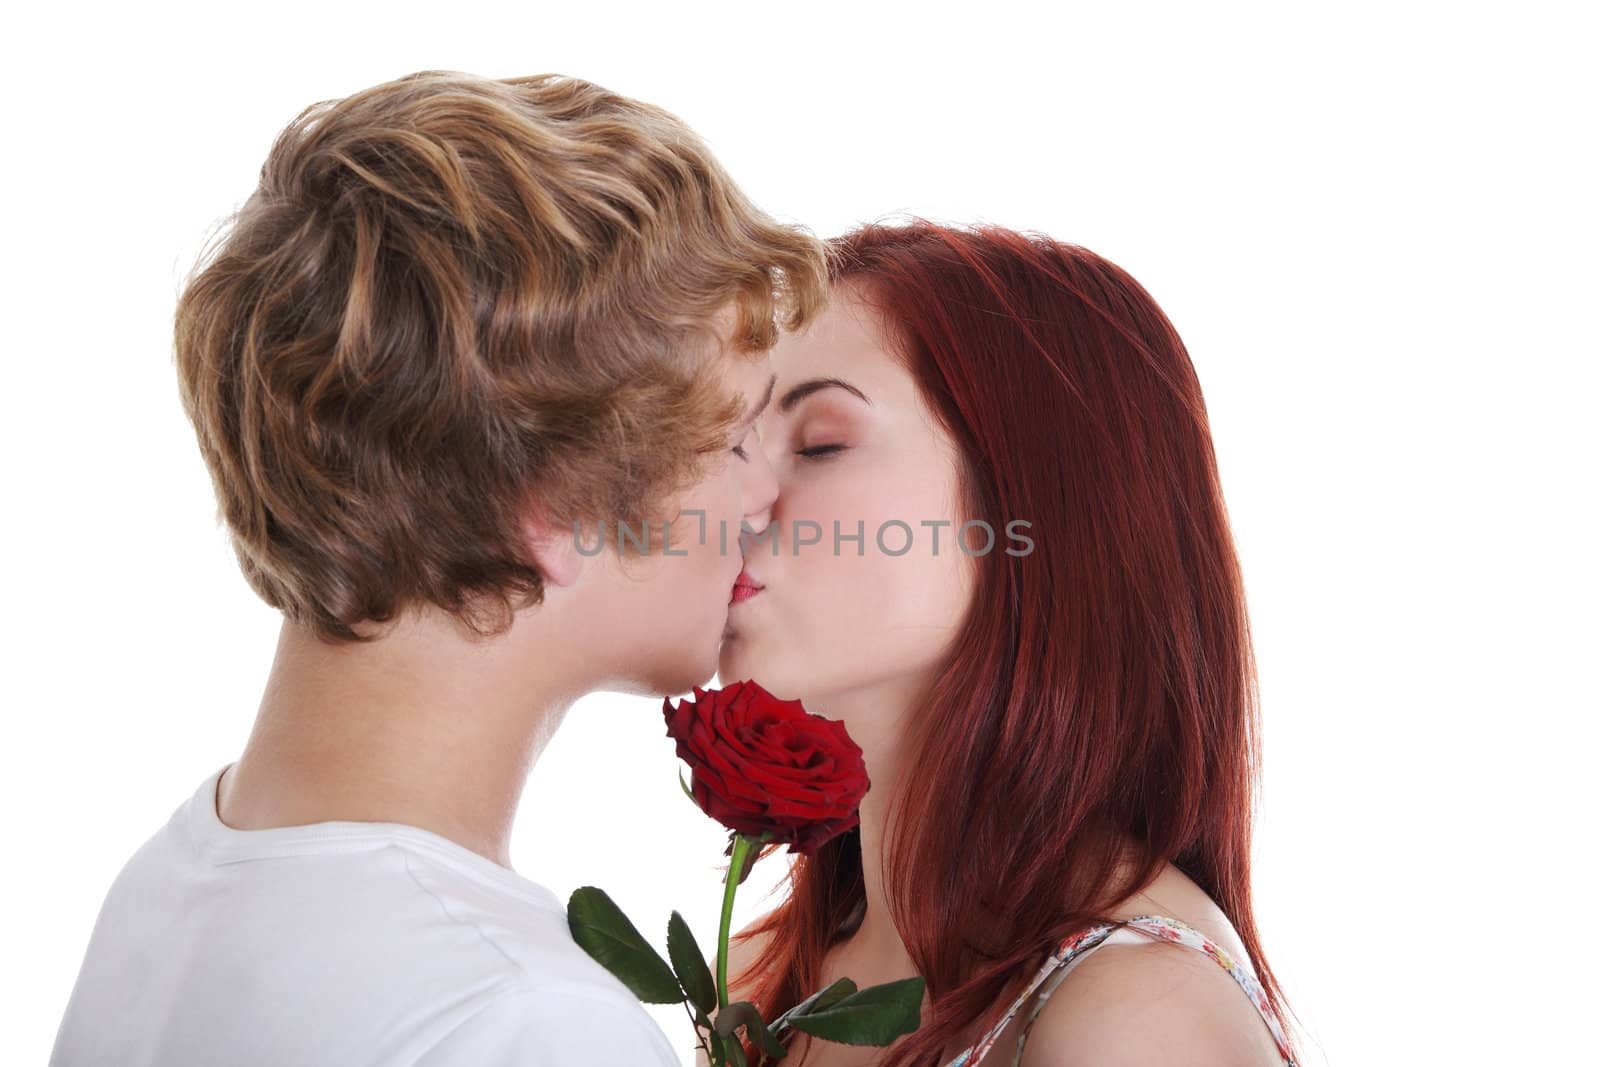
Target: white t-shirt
338, 944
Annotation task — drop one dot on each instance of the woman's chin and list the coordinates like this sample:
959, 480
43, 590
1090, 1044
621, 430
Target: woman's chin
738, 664
730, 668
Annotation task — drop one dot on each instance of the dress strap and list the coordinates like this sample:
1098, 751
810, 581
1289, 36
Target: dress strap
1072, 949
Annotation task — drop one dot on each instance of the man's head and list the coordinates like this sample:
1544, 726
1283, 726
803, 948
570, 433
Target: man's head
458, 316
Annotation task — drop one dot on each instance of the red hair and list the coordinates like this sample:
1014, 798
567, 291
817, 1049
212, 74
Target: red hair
1102, 689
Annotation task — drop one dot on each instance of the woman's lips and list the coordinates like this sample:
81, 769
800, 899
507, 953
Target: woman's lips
744, 587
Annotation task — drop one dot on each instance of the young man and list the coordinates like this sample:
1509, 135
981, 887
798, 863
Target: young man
462, 329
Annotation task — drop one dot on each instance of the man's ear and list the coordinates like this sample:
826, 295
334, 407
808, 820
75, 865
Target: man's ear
554, 549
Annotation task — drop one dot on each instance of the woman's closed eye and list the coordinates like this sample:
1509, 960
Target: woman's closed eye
819, 451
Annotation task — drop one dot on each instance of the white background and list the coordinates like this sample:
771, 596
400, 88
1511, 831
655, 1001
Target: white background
1373, 224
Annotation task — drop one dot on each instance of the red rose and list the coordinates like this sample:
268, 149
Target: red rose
760, 764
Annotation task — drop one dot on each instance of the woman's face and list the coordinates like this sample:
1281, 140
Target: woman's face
853, 447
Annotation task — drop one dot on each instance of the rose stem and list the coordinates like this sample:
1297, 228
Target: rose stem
741, 845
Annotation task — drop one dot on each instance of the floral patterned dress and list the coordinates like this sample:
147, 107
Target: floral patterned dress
1152, 927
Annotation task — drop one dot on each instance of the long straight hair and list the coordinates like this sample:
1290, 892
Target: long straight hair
1102, 688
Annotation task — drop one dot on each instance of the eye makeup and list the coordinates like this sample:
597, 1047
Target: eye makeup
826, 420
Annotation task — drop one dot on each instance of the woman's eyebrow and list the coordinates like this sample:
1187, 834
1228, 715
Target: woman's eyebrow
806, 388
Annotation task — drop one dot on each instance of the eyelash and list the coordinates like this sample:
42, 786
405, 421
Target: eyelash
808, 453
739, 451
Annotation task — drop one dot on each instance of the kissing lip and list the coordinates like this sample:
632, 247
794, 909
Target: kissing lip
744, 587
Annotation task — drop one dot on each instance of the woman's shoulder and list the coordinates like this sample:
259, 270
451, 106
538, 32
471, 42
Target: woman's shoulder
744, 948
1175, 895
1138, 1000
1142, 1003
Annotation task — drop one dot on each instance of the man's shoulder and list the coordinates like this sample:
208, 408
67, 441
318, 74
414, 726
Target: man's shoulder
555, 1025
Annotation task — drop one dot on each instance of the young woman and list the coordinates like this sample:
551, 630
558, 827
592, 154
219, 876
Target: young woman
1001, 557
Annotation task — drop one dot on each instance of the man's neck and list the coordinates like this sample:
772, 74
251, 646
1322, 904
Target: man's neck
416, 728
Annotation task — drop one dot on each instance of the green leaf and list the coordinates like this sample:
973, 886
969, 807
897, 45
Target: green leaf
718, 1056
872, 1016
694, 973
822, 998
599, 926
743, 1013
685, 786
